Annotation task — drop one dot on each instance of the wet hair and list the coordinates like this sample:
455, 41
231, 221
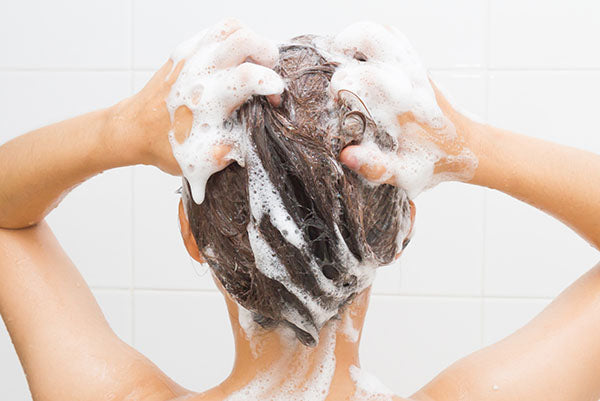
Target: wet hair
345, 222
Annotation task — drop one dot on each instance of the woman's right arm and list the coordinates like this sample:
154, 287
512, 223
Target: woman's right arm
435, 142
562, 181
557, 355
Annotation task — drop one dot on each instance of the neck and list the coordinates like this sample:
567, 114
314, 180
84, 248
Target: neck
274, 361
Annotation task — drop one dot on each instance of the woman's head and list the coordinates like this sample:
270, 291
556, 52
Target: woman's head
293, 235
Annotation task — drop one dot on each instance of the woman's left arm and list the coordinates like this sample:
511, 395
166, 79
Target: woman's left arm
39, 168
64, 343
67, 349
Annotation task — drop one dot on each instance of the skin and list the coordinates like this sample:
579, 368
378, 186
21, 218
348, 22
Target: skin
68, 351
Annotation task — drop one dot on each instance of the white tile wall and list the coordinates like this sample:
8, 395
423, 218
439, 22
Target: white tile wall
480, 265
565, 117
101, 207
553, 35
408, 340
523, 245
67, 34
117, 308
160, 258
13, 382
448, 34
35, 98
502, 317
187, 334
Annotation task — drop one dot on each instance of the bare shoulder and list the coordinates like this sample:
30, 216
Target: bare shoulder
54, 321
552, 358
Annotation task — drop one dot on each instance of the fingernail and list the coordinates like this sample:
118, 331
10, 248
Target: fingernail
352, 162
275, 100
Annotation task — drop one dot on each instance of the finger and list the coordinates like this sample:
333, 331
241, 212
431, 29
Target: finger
256, 79
362, 83
189, 46
216, 33
160, 75
219, 154
253, 79
372, 171
409, 118
441, 100
367, 162
362, 37
182, 123
222, 30
245, 44
164, 70
175, 73
348, 157
275, 100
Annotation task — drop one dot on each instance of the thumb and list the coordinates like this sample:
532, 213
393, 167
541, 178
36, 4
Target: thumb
368, 161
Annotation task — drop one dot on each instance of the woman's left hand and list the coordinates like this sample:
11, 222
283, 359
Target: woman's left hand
143, 123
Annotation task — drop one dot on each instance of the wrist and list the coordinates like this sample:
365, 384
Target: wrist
119, 136
480, 139
464, 152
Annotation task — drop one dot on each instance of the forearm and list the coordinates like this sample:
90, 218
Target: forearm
559, 180
37, 169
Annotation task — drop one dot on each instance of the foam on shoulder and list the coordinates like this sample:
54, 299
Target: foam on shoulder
368, 386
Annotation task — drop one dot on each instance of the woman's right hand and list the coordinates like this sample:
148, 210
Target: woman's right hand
387, 76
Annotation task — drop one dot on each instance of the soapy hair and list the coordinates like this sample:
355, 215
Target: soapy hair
344, 221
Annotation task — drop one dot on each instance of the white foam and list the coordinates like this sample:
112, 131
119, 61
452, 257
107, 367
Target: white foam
268, 264
265, 202
369, 387
308, 379
251, 330
351, 332
392, 82
213, 82
265, 199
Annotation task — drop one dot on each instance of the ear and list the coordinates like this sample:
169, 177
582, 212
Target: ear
413, 213
188, 238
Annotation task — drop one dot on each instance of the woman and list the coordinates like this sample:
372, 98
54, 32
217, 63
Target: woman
69, 352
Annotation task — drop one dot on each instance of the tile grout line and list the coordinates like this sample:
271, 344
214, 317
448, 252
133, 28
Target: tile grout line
378, 294
132, 89
387, 294
466, 297
63, 69
487, 41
